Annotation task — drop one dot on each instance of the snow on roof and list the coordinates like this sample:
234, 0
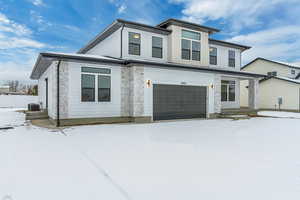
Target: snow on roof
290, 64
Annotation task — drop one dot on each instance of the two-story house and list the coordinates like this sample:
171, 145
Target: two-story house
279, 90
137, 72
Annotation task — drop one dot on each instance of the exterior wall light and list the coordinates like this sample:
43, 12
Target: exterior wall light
148, 83
211, 86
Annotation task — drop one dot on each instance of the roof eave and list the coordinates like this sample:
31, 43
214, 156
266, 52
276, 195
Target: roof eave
230, 44
210, 30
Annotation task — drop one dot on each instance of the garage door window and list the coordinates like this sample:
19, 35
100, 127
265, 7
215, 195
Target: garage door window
228, 91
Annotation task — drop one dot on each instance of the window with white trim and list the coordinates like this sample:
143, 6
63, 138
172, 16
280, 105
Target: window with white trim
92, 78
134, 40
157, 47
227, 91
213, 53
190, 45
231, 58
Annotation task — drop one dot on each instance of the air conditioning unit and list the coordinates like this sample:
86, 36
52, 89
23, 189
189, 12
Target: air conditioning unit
33, 107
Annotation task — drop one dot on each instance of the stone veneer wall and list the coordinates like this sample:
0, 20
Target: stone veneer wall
132, 91
125, 94
63, 90
217, 94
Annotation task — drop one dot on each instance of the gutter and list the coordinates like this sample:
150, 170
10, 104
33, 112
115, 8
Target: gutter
57, 105
121, 45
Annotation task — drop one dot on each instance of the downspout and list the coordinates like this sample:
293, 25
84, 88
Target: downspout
57, 104
121, 45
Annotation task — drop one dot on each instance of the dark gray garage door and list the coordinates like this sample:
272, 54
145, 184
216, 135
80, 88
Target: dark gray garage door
178, 102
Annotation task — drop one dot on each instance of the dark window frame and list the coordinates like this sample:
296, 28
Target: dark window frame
83, 89
97, 90
157, 47
104, 89
213, 59
229, 87
186, 50
196, 51
231, 58
131, 42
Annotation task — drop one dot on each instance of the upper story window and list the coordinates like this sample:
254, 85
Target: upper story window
134, 40
293, 72
157, 47
274, 73
231, 58
191, 35
190, 45
92, 78
213, 53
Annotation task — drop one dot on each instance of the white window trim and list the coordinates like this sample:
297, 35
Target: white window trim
96, 87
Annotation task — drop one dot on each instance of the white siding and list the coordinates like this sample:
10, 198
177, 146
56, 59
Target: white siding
108, 47
50, 74
146, 45
175, 77
78, 109
287, 90
222, 58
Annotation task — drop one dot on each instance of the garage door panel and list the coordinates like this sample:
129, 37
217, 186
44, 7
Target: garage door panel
178, 102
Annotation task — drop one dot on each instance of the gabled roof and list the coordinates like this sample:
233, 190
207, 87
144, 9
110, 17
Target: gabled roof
45, 59
186, 24
281, 78
272, 61
228, 44
118, 24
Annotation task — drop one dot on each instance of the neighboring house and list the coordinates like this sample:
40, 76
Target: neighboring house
137, 72
279, 90
4, 89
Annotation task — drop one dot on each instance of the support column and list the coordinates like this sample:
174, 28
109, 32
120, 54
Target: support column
253, 94
136, 91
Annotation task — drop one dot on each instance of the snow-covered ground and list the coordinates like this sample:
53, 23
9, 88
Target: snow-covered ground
16, 101
279, 114
181, 160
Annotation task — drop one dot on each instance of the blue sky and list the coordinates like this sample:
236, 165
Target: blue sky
27, 27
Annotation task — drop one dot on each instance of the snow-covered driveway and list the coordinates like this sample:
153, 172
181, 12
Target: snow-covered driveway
187, 160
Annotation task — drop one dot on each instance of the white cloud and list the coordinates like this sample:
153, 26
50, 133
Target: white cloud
122, 8
14, 35
14, 42
7, 25
38, 2
238, 13
280, 43
18, 50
